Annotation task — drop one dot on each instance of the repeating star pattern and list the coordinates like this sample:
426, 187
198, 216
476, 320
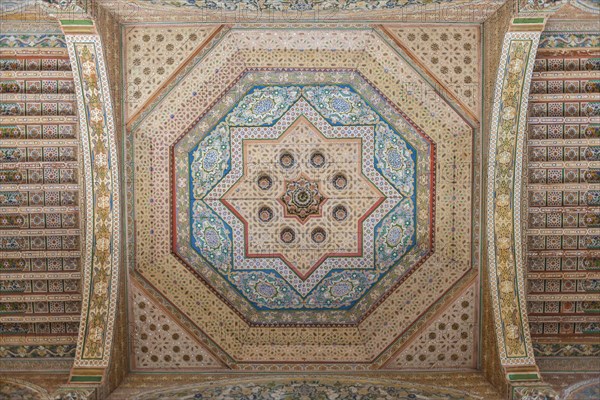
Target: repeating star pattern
302, 197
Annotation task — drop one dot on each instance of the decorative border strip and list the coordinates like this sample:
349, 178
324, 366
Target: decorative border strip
507, 133
103, 241
22, 352
561, 40
32, 40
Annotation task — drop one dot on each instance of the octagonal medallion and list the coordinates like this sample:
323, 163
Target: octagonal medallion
304, 198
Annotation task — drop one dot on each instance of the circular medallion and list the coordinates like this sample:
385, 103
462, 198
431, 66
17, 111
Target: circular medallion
317, 159
394, 236
265, 289
302, 198
264, 182
211, 160
341, 289
287, 235
318, 235
265, 214
340, 213
286, 160
263, 106
340, 105
211, 238
339, 181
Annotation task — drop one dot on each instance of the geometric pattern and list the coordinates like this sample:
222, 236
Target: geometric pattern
563, 155
282, 5
307, 388
102, 246
307, 10
162, 51
280, 151
446, 342
162, 154
160, 343
504, 208
451, 53
40, 213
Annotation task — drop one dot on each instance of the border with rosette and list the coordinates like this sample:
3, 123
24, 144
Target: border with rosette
507, 133
102, 207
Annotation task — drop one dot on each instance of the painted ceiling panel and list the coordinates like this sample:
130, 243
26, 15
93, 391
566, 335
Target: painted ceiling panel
296, 178
446, 342
563, 253
250, 11
160, 52
40, 227
160, 343
451, 53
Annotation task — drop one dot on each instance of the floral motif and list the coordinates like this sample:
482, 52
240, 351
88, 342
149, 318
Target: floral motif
212, 237
27, 41
210, 160
302, 198
309, 389
569, 40
295, 5
340, 105
102, 250
394, 159
39, 351
503, 177
394, 235
289, 151
262, 106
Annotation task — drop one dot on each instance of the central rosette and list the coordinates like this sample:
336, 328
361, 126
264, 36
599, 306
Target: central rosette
302, 199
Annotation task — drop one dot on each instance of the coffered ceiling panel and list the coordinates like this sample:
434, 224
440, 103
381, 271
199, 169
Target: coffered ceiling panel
296, 201
40, 197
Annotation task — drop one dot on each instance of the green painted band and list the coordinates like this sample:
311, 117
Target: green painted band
523, 377
84, 378
528, 20
76, 22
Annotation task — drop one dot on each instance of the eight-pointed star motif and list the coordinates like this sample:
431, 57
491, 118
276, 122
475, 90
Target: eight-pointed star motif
302, 174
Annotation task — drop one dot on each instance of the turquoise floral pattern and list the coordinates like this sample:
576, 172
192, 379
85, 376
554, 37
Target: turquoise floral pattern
210, 160
341, 290
212, 237
340, 105
263, 106
26, 41
268, 290
220, 237
569, 40
394, 159
394, 235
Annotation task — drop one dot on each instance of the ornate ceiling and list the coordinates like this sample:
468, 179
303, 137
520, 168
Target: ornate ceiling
302, 10
563, 217
275, 194
40, 224
340, 193
303, 198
